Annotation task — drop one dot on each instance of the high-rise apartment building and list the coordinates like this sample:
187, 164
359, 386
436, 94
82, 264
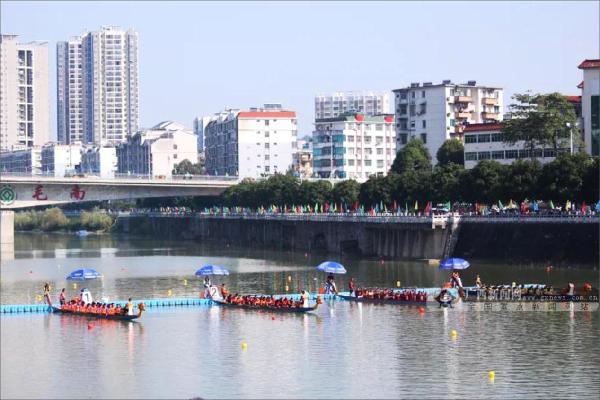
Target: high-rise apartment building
332, 105
251, 144
97, 87
354, 146
435, 113
590, 105
24, 102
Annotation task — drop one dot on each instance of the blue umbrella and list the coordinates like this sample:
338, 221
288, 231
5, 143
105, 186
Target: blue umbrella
212, 270
331, 267
83, 274
454, 263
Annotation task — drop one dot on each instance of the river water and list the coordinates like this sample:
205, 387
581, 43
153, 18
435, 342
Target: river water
345, 350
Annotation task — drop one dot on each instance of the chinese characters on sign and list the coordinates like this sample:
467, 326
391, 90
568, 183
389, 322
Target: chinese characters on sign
39, 194
77, 193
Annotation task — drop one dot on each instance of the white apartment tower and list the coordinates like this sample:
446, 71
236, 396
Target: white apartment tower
435, 113
332, 105
24, 107
251, 144
354, 146
97, 84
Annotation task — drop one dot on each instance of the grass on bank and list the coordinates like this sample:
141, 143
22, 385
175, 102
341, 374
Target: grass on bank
53, 219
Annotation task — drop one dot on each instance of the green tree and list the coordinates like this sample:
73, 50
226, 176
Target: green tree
451, 151
591, 180
484, 183
563, 178
346, 192
445, 182
521, 180
376, 190
412, 157
540, 120
187, 167
310, 193
53, 219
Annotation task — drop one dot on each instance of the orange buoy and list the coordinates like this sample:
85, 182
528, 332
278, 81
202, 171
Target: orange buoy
273, 318
90, 326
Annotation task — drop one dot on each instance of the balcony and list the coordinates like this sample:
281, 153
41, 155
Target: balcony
489, 115
463, 114
490, 101
462, 99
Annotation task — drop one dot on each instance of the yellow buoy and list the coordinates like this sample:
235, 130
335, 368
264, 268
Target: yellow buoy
185, 282
454, 333
244, 345
287, 288
491, 375
397, 283
74, 286
169, 292
39, 297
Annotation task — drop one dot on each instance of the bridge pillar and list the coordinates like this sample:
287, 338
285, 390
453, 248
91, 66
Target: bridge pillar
7, 235
7, 227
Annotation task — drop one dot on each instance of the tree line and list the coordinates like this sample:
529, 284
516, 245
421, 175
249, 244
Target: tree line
537, 120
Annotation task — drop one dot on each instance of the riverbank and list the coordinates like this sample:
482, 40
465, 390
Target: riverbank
55, 220
512, 240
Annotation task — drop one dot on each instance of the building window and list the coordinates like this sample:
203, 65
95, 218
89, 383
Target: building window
525, 153
483, 155
424, 137
175, 156
380, 150
266, 122
484, 138
403, 138
423, 93
266, 145
267, 168
412, 94
496, 137
549, 153
402, 109
379, 163
537, 152
350, 138
266, 133
351, 162
174, 147
470, 138
471, 156
424, 123
412, 124
367, 163
498, 155
510, 154
267, 157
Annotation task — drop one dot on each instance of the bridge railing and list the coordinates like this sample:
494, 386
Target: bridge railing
122, 177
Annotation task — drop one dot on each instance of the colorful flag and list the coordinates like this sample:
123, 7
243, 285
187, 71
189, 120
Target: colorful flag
416, 205
551, 204
568, 205
428, 208
500, 205
583, 207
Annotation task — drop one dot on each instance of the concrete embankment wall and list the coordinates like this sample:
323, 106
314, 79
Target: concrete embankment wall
393, 240
542, 242
510, 241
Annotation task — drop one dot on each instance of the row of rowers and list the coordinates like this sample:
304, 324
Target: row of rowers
99, 308
390, 294
268, 301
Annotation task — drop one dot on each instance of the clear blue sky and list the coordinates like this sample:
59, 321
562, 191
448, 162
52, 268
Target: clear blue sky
198, 57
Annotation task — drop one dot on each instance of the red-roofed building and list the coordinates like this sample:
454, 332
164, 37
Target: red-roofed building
590, 105
485, 142
250, 144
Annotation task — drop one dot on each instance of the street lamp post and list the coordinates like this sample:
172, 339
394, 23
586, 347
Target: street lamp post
570, 136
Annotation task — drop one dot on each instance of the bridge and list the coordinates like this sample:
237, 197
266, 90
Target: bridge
25, 191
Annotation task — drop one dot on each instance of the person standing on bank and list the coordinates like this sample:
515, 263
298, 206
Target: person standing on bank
352, 286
